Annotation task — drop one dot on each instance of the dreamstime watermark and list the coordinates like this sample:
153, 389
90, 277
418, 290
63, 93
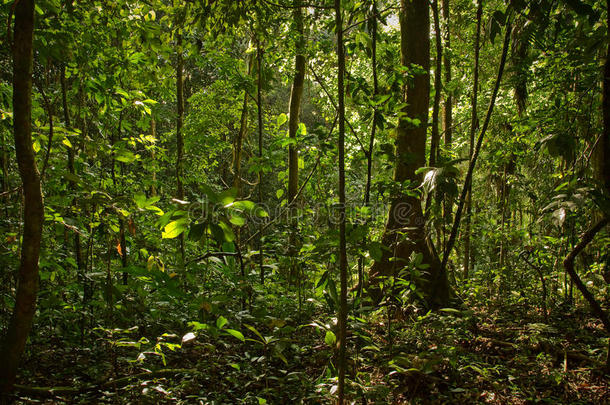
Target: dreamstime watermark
400, 213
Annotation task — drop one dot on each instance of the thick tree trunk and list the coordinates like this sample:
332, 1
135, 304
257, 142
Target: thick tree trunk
33, 214
406, 216
342, 241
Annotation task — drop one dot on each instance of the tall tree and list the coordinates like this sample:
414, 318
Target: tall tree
243, 132
33, 211
435, 138
405, 231
296, 94
474, 122
342, 220
477, 149
448, 102
179, 134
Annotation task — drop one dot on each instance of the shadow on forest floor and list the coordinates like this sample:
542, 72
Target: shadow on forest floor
501, 356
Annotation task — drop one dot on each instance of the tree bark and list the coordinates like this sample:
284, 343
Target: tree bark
342, 239
33, 214
406, 215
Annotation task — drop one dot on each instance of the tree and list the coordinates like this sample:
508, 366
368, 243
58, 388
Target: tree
33, 213
296, 93
474, 122
405, 231
342, 219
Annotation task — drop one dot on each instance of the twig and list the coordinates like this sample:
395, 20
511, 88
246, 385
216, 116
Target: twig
212, 254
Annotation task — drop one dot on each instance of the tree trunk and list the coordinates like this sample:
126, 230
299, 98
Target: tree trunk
474, 122
448, 104
293, 127
259, 101
33, 214
434, 140
447, 108
179, 135
342, 240
605, 140
568, 264
153, 132
406, 215
80, 266
295, 101
370, 152
477, 149
241, 135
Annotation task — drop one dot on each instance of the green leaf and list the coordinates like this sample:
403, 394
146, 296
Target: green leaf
221, 321
217, 233
227, 197
279, 193
236, 333
302, 129
375, 250
330, 338
237, 220
281, 119
125, 156
175, 228
261, 213
229, 236
196, 231
257, 333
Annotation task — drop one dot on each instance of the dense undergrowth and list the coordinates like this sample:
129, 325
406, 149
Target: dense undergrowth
269, 352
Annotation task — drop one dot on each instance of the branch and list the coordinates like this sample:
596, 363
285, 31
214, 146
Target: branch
330, 98
291, 203
210, 254
475, 154
568, 264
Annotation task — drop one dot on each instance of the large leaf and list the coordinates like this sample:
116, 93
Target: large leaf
175, 228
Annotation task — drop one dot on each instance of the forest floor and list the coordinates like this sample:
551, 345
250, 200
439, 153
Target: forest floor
499, 356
